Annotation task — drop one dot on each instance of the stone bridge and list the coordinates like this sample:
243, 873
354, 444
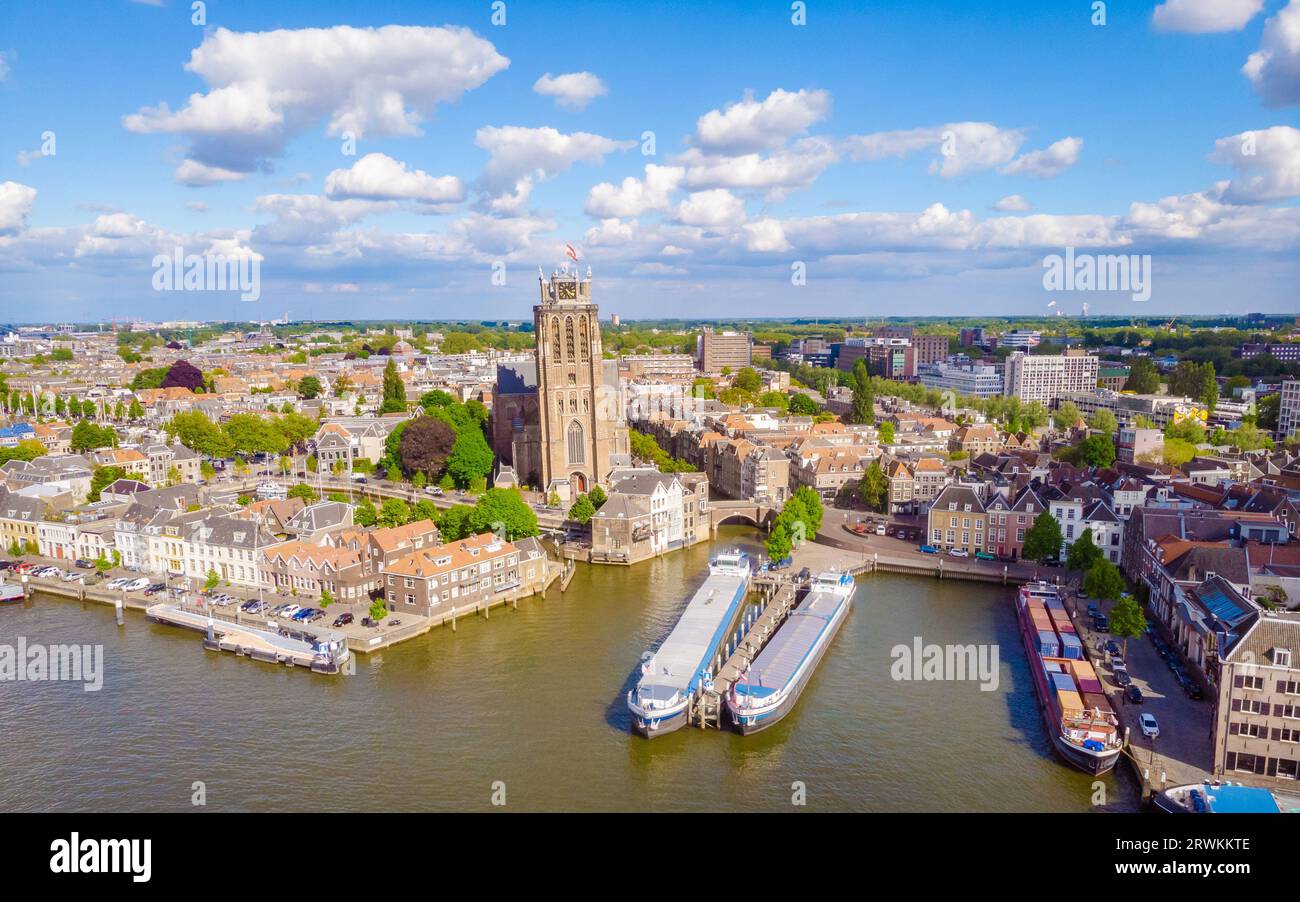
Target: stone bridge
747, 512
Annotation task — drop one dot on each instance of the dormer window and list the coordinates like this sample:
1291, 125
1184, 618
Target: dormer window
1282, 657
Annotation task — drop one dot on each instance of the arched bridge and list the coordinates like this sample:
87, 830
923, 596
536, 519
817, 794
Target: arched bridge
754, 514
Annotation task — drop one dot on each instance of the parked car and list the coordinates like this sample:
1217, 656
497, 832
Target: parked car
343, 619
290, 610
1093, 610
1112, 648
1101, 623
880, 530
985, 556
84, 564
1150, 728
70, 576
137, 584
394, 622
1133, 694
1193, 690
248, 605
958, 552
434, 490
1122, 679
927, 549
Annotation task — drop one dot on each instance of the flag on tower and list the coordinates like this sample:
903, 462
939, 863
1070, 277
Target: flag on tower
568, 249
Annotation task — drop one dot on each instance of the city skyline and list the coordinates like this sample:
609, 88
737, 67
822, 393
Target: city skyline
780, 151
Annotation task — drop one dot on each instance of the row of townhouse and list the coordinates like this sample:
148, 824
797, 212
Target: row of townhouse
464, 574
992, 518
647, 513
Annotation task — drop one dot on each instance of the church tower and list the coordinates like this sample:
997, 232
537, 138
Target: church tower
582, 430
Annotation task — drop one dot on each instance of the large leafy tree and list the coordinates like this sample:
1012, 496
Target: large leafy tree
1096, 451
86, 436
394, 512
1083, 552
425, 445
747, 380
1142, 377
253, 434
863, 408
1103, 580
394, 390
183, 374
582, 510
470, 457
873, 487
802, 405
812, 508
504, 509
198, 433
454, 522
309, 387
779, 545
1103, 421
1043, 539
101, 478
1126, 619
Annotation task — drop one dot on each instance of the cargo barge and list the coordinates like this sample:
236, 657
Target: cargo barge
1222, 798
1079, 720
684, 665
768, 689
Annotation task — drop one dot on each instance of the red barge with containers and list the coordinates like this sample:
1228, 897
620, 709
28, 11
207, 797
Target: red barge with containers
1079, 719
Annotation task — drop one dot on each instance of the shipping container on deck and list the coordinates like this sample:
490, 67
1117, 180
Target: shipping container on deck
1096, 700
1071, 646
1063, 682
1089, 684
1048, 644
1055, 604
1070, 702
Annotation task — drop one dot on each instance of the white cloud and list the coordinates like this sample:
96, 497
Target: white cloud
635, 196
519, 155
711, 209
653, 268
766, 236
197, 175
962, 146
1046, 164
1268, 159
264, 88
785, 169
377, 176
1204, 16
307, 218
1012, 203
1274, 69
573, 90
15, 206
749, 125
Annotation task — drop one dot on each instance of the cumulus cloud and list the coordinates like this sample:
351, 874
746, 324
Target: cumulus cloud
1274, 69
377, 176
776, 174
573, 90
711, 209
518, 155
751, 125
654, 268
635, 196
962, 147
15, 206
1204, 16
265, 88
198, 175
1012, 203
1046, 164
1268, 160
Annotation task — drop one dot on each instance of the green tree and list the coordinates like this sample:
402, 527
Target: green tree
1177, 452
582, 510
470, 457
213, 580
1083, 552
747, 380
1126, 619
504, 509
365, 514
394, 512
1065, 416
378, 610
863, 408
1103, 421
198, 433
873, 487
326, 598
1142, 377
86, 436
597, 496
1103, 580
253, 434
812, 508
424, 509
1043, 539
394, 390
454, 522
802, 405
1096, 451
779, 546
886, 433
309, 387
101, 478
303, 491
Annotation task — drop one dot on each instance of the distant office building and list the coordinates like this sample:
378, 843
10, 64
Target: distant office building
614, 320
1288, 413
1287, 352
718, 350
1021, 339
659, 366
1042, 377
1159, 409
760, 352
977, 380
1112, 377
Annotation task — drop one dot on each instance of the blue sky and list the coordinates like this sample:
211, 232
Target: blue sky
913, 157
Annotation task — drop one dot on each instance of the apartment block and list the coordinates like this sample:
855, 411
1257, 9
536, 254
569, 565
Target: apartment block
1043, 377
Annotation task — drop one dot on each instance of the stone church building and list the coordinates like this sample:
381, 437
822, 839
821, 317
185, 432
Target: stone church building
558, 420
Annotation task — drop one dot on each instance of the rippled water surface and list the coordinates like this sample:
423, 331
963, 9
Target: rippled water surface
534, 699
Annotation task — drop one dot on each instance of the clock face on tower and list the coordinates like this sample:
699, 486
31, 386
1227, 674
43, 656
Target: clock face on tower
568, 291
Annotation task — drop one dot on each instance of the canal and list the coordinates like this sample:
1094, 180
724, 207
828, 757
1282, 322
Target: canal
531, 705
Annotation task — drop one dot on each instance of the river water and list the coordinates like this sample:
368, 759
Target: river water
529, 707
